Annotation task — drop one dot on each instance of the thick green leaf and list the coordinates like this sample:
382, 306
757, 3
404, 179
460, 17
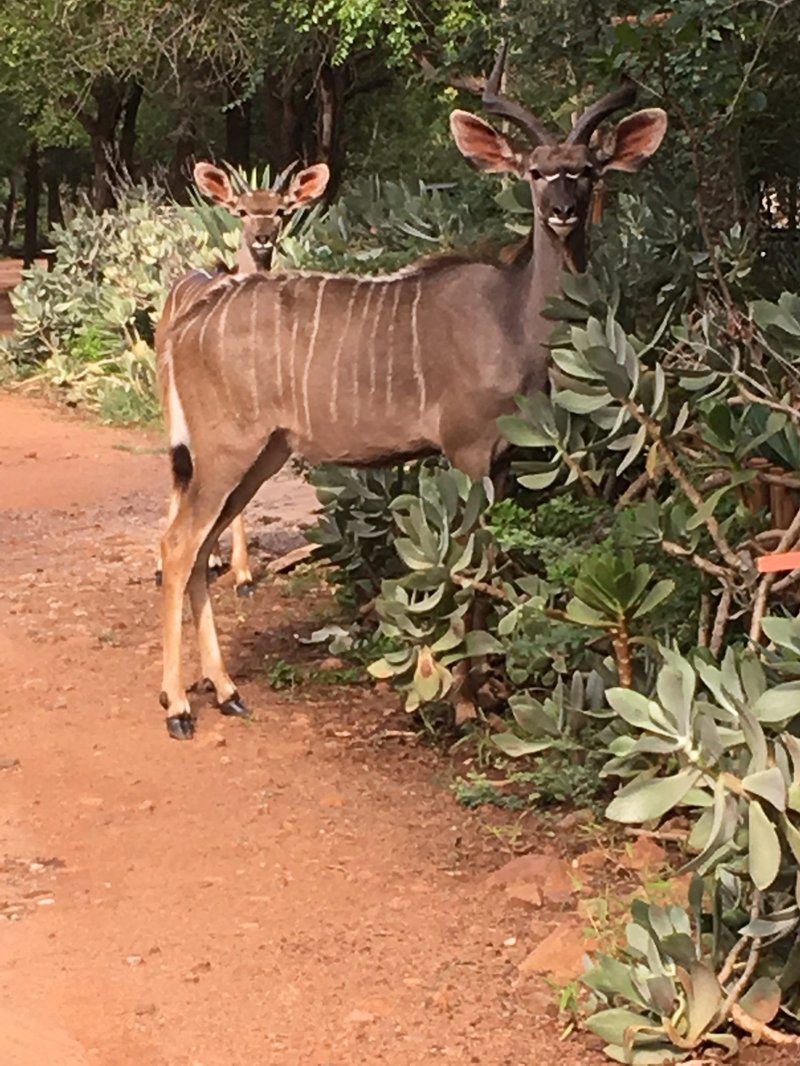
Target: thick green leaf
518, 431
533, 718
792, 836
512, 745
705, 999
661, 591
579, 404
638, 442
706, 509
610, 1025
643, 800
583, 614
539, 481
783, 631
769, 785
764, 846
762, 1000
381, 669
639, 711
779, 703
479, 642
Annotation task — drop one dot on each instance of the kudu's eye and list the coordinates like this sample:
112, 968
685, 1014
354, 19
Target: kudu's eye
241, 212
535, 174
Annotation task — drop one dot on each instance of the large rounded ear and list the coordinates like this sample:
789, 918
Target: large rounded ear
634, 140
483, 146
214, 183
306, 186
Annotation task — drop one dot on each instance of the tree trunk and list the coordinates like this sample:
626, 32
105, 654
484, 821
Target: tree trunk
10, 214
330, 143
55, 215
127, 137
283, 128
237, 128
102, 130
30, 246
179, 177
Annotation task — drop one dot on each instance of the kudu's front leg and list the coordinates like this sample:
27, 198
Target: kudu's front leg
177, 557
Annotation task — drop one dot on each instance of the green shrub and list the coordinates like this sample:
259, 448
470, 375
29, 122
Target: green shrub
86, 328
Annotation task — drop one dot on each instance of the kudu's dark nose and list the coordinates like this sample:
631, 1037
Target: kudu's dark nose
566, 212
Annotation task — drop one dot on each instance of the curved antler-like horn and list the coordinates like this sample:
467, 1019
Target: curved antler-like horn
594, 115
237, 179
281, 179
497, 104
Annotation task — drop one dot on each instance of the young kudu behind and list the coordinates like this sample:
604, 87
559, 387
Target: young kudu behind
368, 371
264, 213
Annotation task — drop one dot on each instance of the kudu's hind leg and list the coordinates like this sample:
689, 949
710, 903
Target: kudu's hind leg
215, 558
240, 562
174, 500
180, 546
185, 550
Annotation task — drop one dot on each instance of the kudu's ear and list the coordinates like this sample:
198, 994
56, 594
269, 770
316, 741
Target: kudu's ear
635, 139
483, 146
214, 183
308, 185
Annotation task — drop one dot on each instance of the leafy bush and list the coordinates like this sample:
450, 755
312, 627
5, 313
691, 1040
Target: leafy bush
356, 530
86, 328
382, 225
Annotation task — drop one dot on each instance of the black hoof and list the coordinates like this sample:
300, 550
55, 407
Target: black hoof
180, 726
158, 579
233, 707
246, 589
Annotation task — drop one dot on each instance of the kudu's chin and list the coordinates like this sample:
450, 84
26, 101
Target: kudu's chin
263, 255
561, 228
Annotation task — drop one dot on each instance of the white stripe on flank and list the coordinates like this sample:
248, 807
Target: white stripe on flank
390, 346
359, 349
223, 350
311, 345
372, 352
290, 369
277, 341
254, 394
416, 350
339, 347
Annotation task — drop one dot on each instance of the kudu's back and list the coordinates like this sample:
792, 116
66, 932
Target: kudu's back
351, 370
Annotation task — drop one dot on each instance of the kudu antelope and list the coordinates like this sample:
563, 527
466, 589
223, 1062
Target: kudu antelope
264, 213
367, 371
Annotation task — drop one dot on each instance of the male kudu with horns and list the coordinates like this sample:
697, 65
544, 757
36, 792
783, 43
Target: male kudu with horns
369, 371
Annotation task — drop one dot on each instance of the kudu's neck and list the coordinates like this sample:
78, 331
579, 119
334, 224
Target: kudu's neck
551, 258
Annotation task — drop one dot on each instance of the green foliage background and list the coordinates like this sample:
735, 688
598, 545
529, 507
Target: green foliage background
602, 633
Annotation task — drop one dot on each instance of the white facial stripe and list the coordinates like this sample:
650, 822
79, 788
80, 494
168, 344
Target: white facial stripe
555, 177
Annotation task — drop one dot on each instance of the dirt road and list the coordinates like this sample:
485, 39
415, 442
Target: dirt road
292, 891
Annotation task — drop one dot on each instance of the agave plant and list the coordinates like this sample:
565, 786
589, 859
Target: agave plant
447, 553
665, 1000
611, 593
